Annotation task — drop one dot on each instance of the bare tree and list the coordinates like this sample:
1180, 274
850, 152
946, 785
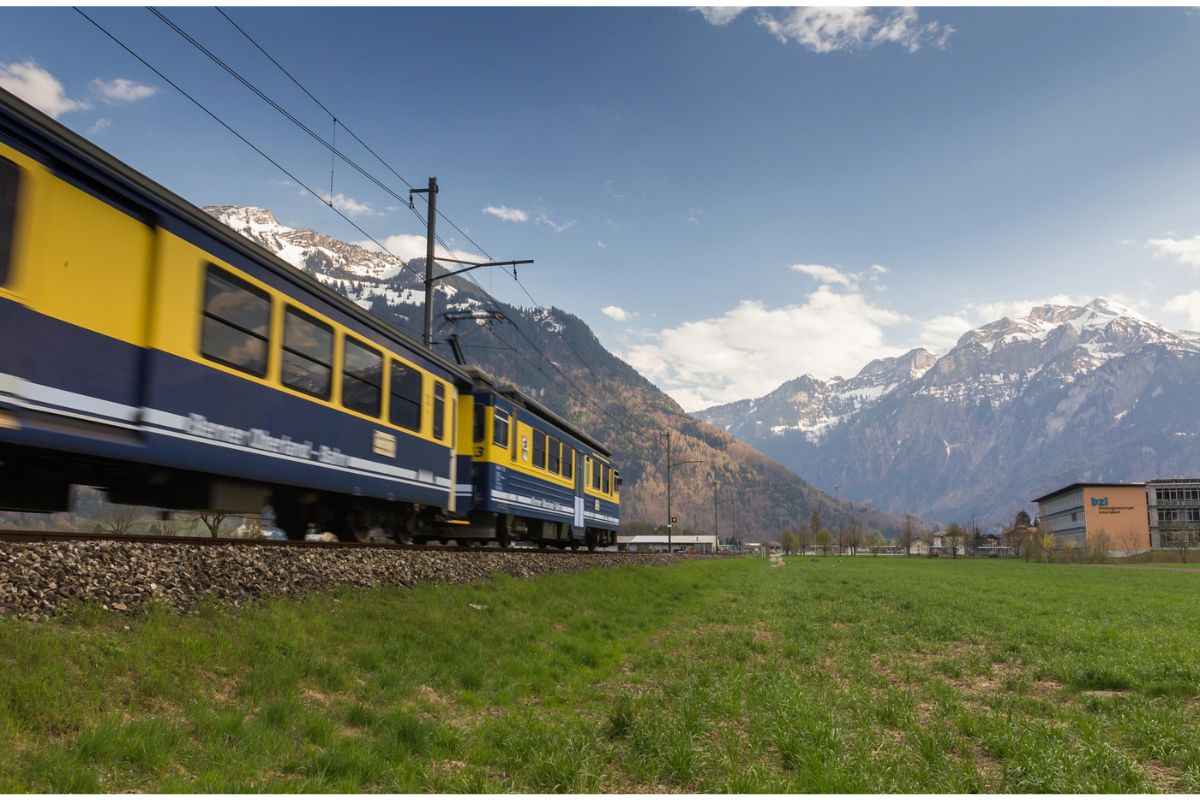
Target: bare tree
854, 536
954, 534
212, 520
1175, 536
804, 536
908, 534
120, 520
790, 541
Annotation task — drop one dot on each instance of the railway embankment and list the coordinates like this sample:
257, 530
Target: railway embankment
39, 581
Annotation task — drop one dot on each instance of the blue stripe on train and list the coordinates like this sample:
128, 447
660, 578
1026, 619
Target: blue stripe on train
74, 359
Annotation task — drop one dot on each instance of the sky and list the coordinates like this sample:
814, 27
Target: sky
730, 198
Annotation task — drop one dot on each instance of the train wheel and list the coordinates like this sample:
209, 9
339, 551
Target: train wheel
503, 537
589, 538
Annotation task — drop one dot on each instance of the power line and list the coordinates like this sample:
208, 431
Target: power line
229, 128
381, 160
338, 154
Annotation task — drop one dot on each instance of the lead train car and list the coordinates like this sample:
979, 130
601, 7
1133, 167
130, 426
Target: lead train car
148, 349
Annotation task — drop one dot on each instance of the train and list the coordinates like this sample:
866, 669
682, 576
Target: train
148, 350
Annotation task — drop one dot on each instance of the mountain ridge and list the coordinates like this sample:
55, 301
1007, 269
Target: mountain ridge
1002, 416
578, 379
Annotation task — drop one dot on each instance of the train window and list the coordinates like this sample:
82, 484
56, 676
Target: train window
362, 378
235, 323
539, 449
500, 427
307, 353
8, 214
406, 397
568, 463
597, 470
480, 424
554, 448
513, 424
439, 411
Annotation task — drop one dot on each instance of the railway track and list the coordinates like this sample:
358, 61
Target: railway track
19, 536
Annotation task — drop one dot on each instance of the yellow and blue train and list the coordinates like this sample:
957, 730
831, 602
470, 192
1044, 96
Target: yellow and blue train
147, 349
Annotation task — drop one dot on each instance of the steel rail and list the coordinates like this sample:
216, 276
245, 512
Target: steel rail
47, 537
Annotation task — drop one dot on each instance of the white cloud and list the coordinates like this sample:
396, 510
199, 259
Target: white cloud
1185, 251
830, 29
507, 214
100, 125
600, 244
1187, 306
941, 333
122, 90
556, 227
751, 349
616, 312
349, 206
824, 274
720, 15
879, 269
38, 87
407, 246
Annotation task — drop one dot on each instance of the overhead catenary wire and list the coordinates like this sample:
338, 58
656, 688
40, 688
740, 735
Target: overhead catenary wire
230, 128
588, 399
440, 213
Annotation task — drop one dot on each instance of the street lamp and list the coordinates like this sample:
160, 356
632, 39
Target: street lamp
671, 466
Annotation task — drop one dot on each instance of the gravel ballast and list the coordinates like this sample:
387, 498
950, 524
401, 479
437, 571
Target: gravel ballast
38, 581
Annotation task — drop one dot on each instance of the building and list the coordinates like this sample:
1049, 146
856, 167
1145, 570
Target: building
1116, 512
657, 543
1173, 505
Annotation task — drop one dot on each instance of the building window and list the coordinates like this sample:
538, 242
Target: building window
9, 176
362, 378
235, 324
307, 354
439, 411
405, 405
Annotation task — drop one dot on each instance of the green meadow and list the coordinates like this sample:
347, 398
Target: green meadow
822, 675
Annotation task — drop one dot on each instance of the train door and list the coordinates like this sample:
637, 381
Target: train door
580, 483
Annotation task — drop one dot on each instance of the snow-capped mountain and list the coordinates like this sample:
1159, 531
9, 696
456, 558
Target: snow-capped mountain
554, 357
363, 275
1017, 407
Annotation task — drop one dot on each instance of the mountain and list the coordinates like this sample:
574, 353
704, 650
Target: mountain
1016, 408
578, 379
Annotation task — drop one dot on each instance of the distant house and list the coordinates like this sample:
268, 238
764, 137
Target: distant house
657, 543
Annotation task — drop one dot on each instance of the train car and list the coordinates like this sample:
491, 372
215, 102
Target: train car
149, 350
535, 477
153, 352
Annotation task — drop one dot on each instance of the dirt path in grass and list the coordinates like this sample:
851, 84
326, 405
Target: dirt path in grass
1155, 567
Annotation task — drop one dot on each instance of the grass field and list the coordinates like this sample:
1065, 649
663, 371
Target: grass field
824, 675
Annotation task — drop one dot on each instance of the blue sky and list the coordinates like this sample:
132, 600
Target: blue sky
730, 200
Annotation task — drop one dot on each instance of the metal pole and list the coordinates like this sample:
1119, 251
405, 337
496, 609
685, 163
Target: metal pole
430, 238
668, 491
716, 519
